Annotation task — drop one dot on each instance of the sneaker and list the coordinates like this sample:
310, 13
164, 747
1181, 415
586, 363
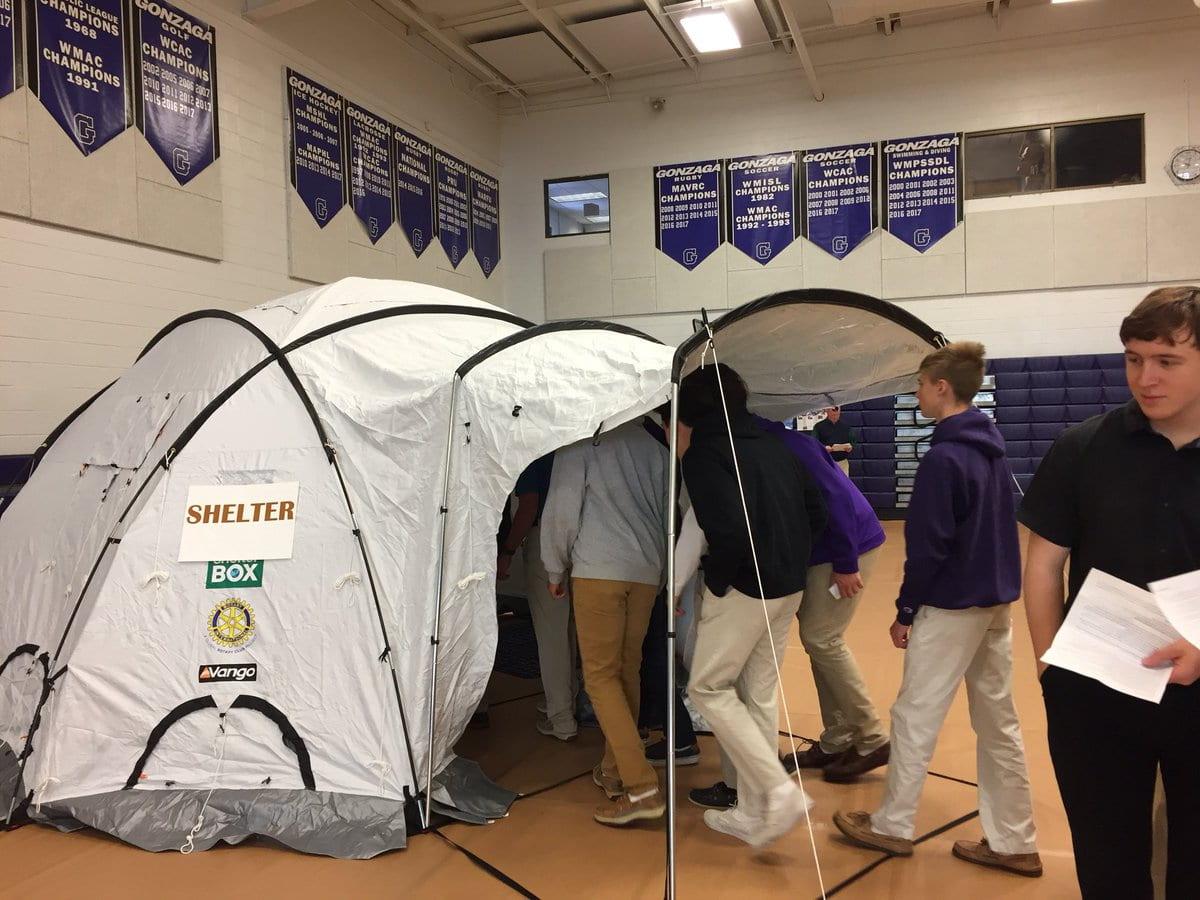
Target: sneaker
812, 758
719, 796
857, 828
546, 727
656, 755
786, 805
852, 764
610, 784
733, 822
625, 810
542, 708
1027, 864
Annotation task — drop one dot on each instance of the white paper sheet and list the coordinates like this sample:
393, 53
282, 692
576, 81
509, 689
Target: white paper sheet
1111, 628
1179, 599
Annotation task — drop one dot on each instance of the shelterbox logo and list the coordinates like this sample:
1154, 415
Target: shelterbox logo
238, 573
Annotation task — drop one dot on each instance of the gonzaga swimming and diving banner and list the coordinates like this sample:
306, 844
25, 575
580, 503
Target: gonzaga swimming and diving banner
761, 192
175, 81
414, 189
317, 163
924, 188
687, 211
839, 197
485, 220
10, 47
80, 72
453, 205
370, 149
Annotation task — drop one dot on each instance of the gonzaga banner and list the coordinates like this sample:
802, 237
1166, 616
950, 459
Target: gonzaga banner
370, 139
924, 188
175, 78
762, 204
414, 189
687, 210
485, 220
453, 210
10, 27
317, 151
80, 72
839, 197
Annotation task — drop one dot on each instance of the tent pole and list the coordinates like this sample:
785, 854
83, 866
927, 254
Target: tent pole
672, 500
437, 615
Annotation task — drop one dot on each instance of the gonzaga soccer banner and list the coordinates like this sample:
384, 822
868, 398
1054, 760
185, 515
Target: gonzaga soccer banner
453, 209
924, 188
762, 204
370, 140
839, 197
175, 79
485, 220
414, 189
318, 173
687, 211
10, 27
80, 72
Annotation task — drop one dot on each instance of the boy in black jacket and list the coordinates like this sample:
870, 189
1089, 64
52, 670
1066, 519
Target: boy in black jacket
734, 681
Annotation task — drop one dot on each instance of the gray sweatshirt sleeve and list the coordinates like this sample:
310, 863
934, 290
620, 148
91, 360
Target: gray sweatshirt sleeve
564, 507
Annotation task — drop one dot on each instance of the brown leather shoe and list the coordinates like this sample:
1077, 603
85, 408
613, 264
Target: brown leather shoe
1027, 864
812, 758
625, 810
856, 826
851, 764
610, 784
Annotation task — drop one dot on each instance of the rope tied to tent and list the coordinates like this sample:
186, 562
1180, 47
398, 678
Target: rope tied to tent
48, 565
348, 578
189, 844
384, 767
41, 791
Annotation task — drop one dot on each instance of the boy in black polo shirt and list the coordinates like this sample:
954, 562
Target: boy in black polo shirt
1121, 493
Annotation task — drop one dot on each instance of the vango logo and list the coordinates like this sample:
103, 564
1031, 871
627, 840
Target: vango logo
677, 171
842, 154
214, 673
928, 144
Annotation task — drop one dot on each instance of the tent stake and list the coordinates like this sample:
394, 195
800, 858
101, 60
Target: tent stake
672, 470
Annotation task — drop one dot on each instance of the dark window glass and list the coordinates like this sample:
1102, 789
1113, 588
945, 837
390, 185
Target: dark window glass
1098, 153
1012, 162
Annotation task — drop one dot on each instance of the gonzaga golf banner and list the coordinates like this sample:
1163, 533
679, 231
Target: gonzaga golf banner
317, 162
485, 220
414, 188
924, 188
453, 209
10, 27
762, 204
370, 142
839, 197
687, 211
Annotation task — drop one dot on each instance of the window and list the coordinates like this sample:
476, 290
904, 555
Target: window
576, 205
1097, 153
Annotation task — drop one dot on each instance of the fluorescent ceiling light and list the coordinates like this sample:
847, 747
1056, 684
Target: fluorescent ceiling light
575, 198
597, 219
710, 30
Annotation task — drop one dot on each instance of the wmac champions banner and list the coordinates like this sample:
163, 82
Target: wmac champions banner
761, 192
370, 143
318, 167
839, 197
485, 220
924, 188
414, 189
687, 211
453, 205
175, 82
10, 46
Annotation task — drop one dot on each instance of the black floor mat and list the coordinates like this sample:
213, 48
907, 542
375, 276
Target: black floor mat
516, 648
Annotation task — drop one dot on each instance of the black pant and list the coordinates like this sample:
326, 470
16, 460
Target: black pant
1106, 747
653, 712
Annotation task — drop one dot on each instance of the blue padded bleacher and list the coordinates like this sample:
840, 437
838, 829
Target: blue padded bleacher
1049, 413
1011, 380
1084, 378
1015, 397
1043, 364
878, 418
1090, 394
877, 467
1047, 396
1116, 393
1046, 431
1082, 412
1014, 431
1114, 377
1045, 379
879, 451
852, 417
1006, 415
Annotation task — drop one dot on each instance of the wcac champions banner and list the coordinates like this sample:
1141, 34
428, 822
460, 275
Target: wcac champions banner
687, 211
839, 197
453, 211
761, 192
318, 173
414, 189
80, 71
485, 220
924, 188
175, 76
370, 140
10, 48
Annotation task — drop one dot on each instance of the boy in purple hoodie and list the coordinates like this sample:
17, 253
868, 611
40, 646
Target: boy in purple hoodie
962, 571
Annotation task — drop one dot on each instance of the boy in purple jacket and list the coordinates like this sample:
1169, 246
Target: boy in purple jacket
962, 571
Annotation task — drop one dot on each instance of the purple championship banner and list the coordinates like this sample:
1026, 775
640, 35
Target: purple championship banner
10, 46
80, 75
839, 197
414, 189
370, 153
453, 205
687, 211
175, 81
924, 188
761, 192
317, 146
485, 221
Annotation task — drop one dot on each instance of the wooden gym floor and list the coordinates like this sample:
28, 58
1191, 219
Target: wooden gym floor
549, 847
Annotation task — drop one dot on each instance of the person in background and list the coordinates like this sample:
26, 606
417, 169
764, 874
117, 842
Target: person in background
604, 522
961, 572
551, 616
838, 437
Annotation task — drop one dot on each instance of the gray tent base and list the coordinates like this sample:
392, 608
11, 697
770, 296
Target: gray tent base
461, 791
11, 784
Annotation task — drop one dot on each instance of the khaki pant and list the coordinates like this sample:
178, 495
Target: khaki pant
844, 465
847, 714
735, 685
611, 618
944, 648
555, 639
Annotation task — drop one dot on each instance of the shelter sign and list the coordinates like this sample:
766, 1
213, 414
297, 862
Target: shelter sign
236, 521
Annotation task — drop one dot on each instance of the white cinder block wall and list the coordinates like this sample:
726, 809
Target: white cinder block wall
76, 308
1089, 254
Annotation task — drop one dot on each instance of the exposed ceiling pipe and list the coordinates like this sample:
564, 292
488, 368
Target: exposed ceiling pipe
655, 9
553, 23
802, 55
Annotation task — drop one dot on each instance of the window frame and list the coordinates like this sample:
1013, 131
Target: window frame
546, 203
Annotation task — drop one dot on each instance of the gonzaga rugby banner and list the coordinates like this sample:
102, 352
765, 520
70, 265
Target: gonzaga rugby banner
687, 211
839, 197
924, 188
762, 204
